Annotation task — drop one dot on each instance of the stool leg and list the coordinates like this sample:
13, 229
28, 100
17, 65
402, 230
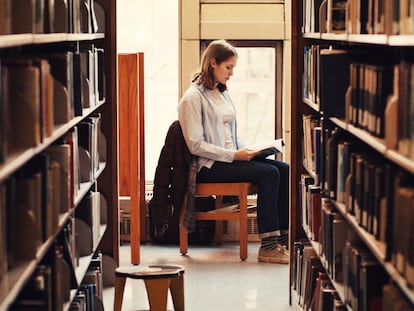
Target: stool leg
177, 292
157, 292
119, 292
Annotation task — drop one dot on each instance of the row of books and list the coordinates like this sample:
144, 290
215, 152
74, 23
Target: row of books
326, 78
359, 178
400, 109
370, 86
376, 194
47, 16
92, 147
364, 278
33, 199
390, 17
39, 93
46, 187
89, 297
310, 206
324, 16
312, 285
325, 225
49, 286
90, 215
374, 95
340, 273
312, 131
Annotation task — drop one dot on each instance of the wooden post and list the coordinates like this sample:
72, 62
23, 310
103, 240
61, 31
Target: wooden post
131, 143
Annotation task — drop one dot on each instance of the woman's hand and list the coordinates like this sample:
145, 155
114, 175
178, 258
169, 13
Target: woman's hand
245, 155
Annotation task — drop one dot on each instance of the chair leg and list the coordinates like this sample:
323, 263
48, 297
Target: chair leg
119, 292
177, 292
183, 240
157, 292
218, 234
243, 226
183, 233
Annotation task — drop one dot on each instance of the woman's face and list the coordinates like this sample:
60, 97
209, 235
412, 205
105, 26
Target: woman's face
223, 71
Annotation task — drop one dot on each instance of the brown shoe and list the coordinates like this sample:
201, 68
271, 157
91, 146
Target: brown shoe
276, 255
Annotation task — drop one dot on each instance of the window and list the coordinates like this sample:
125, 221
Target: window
256, 89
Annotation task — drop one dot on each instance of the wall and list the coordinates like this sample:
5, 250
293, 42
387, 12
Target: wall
151, 26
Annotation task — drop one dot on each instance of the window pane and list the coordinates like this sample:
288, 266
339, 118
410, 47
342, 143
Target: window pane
252, 89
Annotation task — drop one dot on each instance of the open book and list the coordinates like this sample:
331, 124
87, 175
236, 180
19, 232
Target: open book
268, 147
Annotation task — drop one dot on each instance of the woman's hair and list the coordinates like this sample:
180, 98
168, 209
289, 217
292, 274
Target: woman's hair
220, 50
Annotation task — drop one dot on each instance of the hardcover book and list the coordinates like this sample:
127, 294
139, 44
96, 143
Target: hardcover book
268, 147
334, 81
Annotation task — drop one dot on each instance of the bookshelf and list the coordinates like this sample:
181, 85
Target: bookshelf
360, 155
58, 155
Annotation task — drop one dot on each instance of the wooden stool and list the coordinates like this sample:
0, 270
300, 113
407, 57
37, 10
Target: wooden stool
158, 279
242, 190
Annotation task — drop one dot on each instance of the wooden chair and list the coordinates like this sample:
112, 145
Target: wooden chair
158, 279
240, 189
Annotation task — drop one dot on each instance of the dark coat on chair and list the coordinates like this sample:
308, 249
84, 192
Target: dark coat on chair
170, 186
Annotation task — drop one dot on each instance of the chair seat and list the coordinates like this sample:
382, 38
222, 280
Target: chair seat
225, 188
240, 189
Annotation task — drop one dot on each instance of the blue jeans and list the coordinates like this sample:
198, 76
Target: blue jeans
272, 179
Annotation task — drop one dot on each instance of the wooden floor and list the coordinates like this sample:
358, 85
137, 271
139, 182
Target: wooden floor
215, 279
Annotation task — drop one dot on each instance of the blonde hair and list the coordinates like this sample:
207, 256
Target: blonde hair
220, 50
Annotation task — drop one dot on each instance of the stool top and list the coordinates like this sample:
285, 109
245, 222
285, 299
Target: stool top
149, 272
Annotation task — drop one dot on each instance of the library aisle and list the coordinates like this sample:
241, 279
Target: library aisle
215, 279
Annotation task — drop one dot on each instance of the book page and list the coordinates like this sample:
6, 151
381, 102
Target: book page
276, 145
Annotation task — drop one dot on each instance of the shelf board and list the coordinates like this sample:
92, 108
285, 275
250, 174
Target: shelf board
15, 40
376, 247
371, 39
7, 41
379, 39
311, 173
340, 288
17, 160
377, 144
401, 40
400, 160
311, 104
312, 35
81, 270
84, 36
378, 250
334, 36
12, 282
84, 261
85, 186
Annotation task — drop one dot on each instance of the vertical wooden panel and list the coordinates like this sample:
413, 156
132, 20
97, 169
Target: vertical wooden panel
128, 119
108, 181
131, 142
141, 152
296, 166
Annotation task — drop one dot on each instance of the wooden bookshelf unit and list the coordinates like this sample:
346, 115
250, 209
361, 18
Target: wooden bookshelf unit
352, 177
59, 225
